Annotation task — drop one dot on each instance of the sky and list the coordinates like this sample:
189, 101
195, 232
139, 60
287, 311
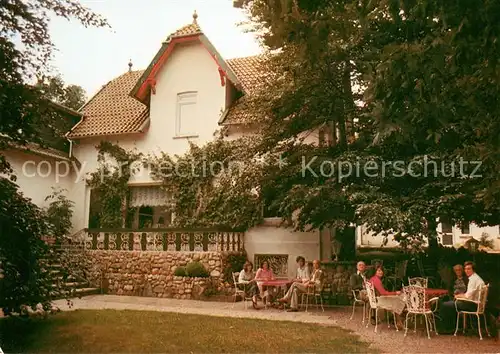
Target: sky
91, 57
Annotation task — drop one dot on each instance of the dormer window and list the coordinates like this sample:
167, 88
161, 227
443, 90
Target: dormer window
186, 123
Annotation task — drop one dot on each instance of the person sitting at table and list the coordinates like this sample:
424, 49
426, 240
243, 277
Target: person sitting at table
297, 288
376, 280
447, 313
264, 273
247, 277
394, 304
357, 281
302, 270
460, 285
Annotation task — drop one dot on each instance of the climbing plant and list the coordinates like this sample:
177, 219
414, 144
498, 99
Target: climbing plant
115, 166
59, 213
215, 185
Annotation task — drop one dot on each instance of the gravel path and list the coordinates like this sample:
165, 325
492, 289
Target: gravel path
386, 340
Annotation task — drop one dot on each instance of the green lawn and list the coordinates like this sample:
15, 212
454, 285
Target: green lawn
110, 331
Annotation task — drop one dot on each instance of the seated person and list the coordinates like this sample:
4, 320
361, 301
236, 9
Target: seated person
247, 278
302, 270
357, 281
376, 280
264, 273
460, 285
395, 304
301, 287
447, 311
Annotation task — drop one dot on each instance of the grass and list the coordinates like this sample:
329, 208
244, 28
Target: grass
112, 331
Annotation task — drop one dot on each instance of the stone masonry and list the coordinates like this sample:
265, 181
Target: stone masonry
150, 273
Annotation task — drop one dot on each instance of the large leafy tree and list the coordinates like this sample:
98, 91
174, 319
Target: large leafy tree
22, 106
54, 89
428, 76
25, 53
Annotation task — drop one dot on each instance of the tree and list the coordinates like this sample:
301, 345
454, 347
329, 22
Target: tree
23, 110
54, 89
22, 225
22, 107
426, 74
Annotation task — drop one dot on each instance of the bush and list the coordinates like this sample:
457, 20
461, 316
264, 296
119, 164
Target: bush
196, 270
234, 263
180, 272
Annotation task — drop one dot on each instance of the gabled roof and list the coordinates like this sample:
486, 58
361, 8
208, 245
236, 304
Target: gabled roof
249, 70
188, 33
121, 106
112, 111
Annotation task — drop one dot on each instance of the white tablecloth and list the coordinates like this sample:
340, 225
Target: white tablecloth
393, 303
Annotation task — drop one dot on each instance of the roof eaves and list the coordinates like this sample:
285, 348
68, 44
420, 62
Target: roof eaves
146, 72
227, 69
87, 136
223, 117
65, 109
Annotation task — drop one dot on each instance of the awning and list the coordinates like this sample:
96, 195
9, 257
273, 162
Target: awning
148, 196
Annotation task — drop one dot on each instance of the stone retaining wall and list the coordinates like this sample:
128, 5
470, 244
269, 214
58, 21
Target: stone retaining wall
151, 273
336, 280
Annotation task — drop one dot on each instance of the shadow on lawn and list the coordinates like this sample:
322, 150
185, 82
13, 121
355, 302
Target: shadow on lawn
112, 331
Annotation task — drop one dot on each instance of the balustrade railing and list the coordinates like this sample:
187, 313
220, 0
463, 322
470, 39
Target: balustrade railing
179, 240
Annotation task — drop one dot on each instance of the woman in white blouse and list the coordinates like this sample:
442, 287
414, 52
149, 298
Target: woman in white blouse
247, 278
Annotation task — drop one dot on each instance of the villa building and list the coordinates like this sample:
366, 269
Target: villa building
187, 93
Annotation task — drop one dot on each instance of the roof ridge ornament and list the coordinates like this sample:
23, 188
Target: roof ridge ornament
195, 18
130, 65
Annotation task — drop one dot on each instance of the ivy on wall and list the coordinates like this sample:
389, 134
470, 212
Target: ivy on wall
109, 181
215, 185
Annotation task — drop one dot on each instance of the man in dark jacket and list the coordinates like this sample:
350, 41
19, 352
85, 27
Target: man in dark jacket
357, 279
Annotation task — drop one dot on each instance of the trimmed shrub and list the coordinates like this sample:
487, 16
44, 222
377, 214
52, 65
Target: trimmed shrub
196, 270
180, 272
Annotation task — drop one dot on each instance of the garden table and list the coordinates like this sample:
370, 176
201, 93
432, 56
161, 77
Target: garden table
436, 292
276, 283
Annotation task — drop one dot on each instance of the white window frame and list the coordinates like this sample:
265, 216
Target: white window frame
185, 98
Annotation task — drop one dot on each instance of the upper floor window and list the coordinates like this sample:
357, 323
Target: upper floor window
186, 123
446, 227
465, 228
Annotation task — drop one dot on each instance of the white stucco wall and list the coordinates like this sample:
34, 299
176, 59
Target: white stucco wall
37, 175
270, 239
189, 68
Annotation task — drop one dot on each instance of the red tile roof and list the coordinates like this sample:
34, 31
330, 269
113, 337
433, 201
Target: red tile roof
248, 70
112, 111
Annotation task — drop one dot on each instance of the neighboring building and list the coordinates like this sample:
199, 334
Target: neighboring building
449, 235
186, 94
39, 169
